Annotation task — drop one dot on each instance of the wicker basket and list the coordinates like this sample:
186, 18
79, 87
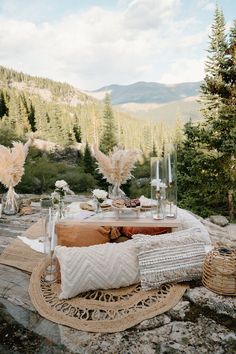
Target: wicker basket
219, 271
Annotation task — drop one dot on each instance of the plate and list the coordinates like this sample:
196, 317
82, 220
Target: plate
125, 209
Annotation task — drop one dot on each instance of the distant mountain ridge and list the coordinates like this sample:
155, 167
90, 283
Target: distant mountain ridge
148, 92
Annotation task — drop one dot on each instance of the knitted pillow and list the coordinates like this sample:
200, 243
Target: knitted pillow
107, 266
174, 257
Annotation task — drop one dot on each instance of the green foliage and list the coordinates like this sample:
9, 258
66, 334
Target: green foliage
7, 134
42, 171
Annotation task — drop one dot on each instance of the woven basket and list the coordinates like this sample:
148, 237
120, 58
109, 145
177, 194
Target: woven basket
219, 271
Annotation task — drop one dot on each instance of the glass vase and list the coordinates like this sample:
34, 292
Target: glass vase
171, 182
48, 219
115, 192
10, 202
158, 187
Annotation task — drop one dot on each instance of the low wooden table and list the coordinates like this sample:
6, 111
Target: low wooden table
109, 219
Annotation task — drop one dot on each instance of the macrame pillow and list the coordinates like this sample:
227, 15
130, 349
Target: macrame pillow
107, 266
173, 257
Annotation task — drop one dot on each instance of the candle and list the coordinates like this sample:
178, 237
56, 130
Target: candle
169, 170
157, 176
157, 170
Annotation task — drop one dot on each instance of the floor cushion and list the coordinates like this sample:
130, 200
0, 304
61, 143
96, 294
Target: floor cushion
175, 257
107, 266
129, 231
75, 234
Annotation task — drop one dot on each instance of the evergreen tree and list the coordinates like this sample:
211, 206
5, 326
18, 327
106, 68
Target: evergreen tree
218, 94
31, 117
206, 159
77, 133
88, 160
3, 107
108, 139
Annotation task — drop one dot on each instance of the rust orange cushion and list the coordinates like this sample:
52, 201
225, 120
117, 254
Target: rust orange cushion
129, 231
75, 234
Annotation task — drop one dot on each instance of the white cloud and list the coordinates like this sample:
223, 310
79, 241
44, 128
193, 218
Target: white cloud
146, 14
98, 47
184, 70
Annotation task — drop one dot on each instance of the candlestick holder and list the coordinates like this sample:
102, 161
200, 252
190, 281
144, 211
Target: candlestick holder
171, 183
48, 218
158, 187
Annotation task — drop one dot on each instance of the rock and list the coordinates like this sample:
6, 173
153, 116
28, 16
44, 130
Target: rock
219, 220
178, 312
218, 304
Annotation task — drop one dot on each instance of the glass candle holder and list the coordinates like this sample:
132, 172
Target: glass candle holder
171, 183
158, 187
48, 223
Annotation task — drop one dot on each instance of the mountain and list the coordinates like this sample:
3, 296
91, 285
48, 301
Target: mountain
154, 101
148, 92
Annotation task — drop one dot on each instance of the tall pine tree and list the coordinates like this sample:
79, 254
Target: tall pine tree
206, 159
218, 96
108, 139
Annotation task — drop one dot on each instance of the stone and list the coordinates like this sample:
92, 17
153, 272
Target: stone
179, 311
204, 298
219, 220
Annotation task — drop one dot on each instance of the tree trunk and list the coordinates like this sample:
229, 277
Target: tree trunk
231, 203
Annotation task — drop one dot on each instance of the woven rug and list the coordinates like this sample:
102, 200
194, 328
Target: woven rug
104, 311
19, 255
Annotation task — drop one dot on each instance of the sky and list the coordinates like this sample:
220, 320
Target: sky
95, 43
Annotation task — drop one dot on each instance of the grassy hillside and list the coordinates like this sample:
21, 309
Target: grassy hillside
62, 114
186, 109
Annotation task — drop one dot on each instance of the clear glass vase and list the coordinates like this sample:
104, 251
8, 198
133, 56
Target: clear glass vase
115, 192
10, 202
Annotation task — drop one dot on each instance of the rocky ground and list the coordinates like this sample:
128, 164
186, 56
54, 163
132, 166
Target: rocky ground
202, 322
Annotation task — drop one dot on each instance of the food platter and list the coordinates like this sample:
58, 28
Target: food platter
126, 210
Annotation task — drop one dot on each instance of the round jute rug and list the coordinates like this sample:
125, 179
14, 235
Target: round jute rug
106, 311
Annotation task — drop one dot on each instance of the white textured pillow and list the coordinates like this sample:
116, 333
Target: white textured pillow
188, 220
192, 235
107, 266
173, 257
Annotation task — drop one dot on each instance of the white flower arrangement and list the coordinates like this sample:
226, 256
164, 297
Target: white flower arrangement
100, 194
158, 184
61, 190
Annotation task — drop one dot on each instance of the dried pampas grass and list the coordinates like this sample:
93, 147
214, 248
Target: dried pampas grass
117, 166
12, 163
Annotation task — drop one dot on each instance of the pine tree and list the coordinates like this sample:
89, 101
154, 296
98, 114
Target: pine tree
218, 94
3, 107
31, 117
88, 160
108, 139
77, 133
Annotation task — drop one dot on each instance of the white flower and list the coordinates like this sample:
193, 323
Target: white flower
61, 184
100, 194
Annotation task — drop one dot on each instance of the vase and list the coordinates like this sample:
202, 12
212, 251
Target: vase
115, 192
10, 202
61, 208
160, 211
